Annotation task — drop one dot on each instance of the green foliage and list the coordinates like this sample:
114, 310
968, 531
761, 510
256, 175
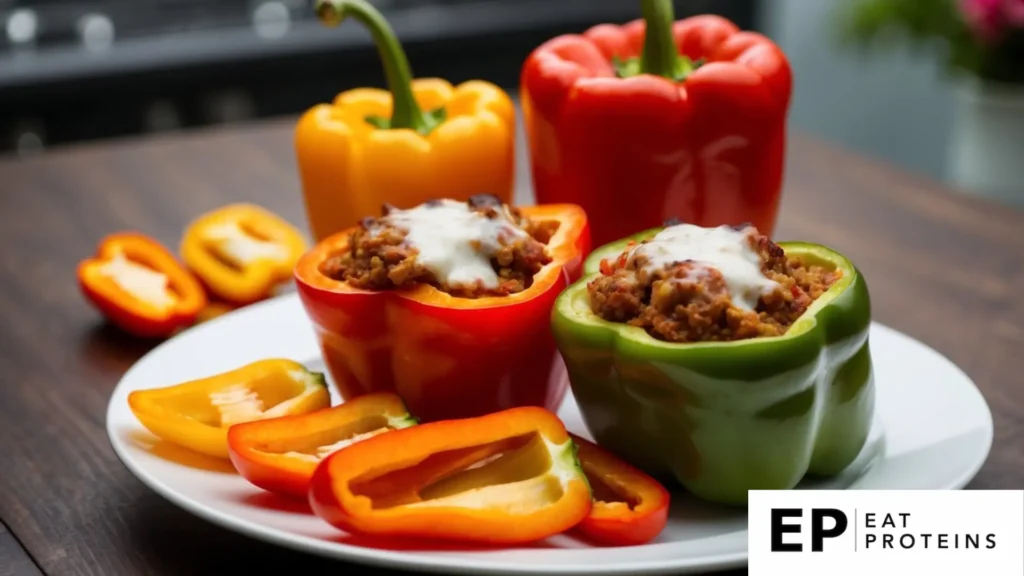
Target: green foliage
935, 25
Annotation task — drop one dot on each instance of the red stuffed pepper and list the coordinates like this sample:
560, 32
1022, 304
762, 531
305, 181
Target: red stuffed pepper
657, 120
447, 304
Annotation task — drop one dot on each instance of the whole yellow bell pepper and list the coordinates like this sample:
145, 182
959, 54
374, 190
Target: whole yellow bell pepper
198, 413
419, 140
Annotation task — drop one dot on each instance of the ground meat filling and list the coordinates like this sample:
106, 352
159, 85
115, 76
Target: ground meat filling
380, 255
688, 301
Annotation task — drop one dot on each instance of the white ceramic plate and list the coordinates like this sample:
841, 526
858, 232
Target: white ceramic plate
933, 430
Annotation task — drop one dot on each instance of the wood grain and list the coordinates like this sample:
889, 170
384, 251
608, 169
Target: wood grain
14, 561
942, 268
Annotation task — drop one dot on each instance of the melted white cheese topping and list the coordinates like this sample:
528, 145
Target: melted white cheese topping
455, 242
724, 249
241, 248
141, 282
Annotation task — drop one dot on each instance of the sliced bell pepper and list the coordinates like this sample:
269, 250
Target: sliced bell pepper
140, 286
280, 454
418, 140
689, 116
241, 252
727, 417
198, 413
447, 357
509, 477
630, 507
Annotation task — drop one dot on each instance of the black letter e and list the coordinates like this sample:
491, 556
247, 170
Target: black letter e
779, 528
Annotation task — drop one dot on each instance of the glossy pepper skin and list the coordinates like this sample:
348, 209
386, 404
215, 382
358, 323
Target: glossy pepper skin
727, 417
415, 482
140, 286
281, 454
630, 508
704, 145
241, 252
427, 138
447, 357
197, 414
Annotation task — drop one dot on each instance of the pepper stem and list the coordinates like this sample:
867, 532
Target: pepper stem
406, 112
661, 56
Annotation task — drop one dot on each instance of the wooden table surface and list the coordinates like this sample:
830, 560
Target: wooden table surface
942, 268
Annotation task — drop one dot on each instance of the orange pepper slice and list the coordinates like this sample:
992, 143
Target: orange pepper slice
509, 477
140, 286
281, 454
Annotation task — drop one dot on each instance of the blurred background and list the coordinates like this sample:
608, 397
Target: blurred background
78, 70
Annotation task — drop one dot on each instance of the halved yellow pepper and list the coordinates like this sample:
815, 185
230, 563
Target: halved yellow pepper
198, 413
241, 252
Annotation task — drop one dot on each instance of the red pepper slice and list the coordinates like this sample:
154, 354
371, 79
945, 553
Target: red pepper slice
281, 454
140, 286
506, 478
447, 357
630, 507
635, 144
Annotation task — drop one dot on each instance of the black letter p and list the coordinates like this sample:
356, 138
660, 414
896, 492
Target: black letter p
818, 532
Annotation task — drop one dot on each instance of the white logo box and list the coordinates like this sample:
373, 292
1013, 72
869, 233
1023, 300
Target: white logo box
928, 532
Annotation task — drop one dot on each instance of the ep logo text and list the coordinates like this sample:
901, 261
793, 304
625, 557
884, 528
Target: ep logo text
823, 523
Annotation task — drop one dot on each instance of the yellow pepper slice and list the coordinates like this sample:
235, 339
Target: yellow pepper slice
241, 251
198, 413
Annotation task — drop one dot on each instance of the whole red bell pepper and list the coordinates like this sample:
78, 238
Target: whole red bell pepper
447, 356
659, 119
630, 507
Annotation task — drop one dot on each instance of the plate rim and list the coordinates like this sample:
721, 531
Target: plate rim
420, 562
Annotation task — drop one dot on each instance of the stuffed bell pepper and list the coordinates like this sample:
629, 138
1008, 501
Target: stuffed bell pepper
418, 140
510, 477
721, 358
446, 304
688, 115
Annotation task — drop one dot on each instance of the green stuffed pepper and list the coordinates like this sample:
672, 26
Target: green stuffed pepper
726, 415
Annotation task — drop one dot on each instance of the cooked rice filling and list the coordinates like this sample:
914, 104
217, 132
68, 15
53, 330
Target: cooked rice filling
469, 249
692, 284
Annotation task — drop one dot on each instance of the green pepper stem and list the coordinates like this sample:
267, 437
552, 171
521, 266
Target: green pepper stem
406, 113
660, 56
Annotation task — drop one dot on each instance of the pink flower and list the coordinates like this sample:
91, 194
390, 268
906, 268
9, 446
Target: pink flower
991, 18
1014, 12
985, 17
